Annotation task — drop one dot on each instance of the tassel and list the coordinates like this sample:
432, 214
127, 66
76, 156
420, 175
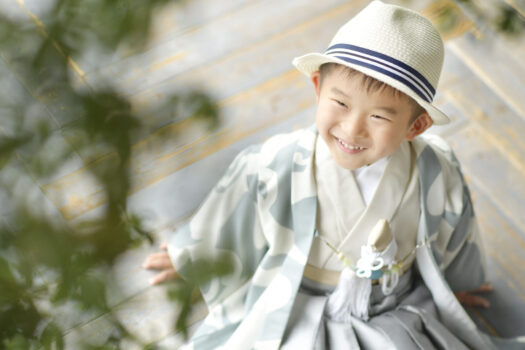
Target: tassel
350, 297
352, 294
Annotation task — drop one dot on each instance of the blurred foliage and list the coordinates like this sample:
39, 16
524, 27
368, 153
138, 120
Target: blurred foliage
185, 292
453, 17
505, 18
48, 264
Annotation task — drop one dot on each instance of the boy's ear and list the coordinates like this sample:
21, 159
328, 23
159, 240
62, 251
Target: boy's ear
316, 79
418, 126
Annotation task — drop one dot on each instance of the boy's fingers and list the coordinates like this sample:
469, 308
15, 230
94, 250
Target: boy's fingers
478, 301
163, 276
486, 287
157, 261
469, 299
164, 246
151, 261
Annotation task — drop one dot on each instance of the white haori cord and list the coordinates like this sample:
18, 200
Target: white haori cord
352, 294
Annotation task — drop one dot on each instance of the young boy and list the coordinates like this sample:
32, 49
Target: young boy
358, 193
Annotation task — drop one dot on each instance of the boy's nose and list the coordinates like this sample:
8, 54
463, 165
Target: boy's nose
354, 125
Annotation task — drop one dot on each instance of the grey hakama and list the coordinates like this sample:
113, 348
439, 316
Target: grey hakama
407, 319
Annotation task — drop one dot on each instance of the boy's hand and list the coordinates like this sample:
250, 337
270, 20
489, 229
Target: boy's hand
468, 298
160, 261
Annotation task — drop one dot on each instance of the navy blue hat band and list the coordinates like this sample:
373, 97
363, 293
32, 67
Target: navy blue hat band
386, 65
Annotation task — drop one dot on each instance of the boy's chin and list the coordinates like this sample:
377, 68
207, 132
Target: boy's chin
351, 165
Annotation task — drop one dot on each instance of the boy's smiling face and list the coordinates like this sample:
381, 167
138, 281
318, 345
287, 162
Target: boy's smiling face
360, 126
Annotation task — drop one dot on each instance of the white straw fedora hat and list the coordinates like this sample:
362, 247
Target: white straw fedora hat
392, 44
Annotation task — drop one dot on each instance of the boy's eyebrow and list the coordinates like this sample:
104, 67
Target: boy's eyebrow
388, 109
339, 92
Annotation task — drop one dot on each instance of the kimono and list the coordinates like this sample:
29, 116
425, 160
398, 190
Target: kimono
262, 215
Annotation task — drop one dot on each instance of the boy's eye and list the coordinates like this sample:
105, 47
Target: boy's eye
340, 103
378, 117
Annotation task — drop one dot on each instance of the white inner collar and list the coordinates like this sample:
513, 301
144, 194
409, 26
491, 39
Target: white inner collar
368, 177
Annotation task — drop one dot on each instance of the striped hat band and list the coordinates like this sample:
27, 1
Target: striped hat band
386, 65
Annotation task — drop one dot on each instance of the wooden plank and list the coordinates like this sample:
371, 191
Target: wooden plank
149, 316
504, 317
504, 247
505, 78
457, 120
502, 126
58, 103
31, 112
495, 56
453, 72
486, 23
175, 196
176, 340
497, 141
127, 280
247, 67
489, 169
173, 19
25, 192
487, 141
66, 315
211, 42
186, 143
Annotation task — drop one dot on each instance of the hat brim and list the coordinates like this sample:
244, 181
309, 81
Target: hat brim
310, 63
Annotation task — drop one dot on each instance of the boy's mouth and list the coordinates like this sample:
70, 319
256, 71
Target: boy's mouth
349, 148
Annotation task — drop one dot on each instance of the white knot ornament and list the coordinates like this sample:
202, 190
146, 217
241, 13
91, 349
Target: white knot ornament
370, 264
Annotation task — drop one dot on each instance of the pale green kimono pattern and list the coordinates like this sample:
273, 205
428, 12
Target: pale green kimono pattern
262, 214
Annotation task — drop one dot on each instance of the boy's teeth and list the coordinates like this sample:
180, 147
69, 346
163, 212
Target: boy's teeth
349, 146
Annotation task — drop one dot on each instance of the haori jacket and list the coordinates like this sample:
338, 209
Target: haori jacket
262, 215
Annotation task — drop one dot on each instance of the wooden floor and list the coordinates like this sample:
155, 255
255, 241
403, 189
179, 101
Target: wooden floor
240, 51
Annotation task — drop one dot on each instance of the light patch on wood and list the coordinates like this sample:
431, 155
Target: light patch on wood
155, 66
171, 59
261, 89
515, 137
